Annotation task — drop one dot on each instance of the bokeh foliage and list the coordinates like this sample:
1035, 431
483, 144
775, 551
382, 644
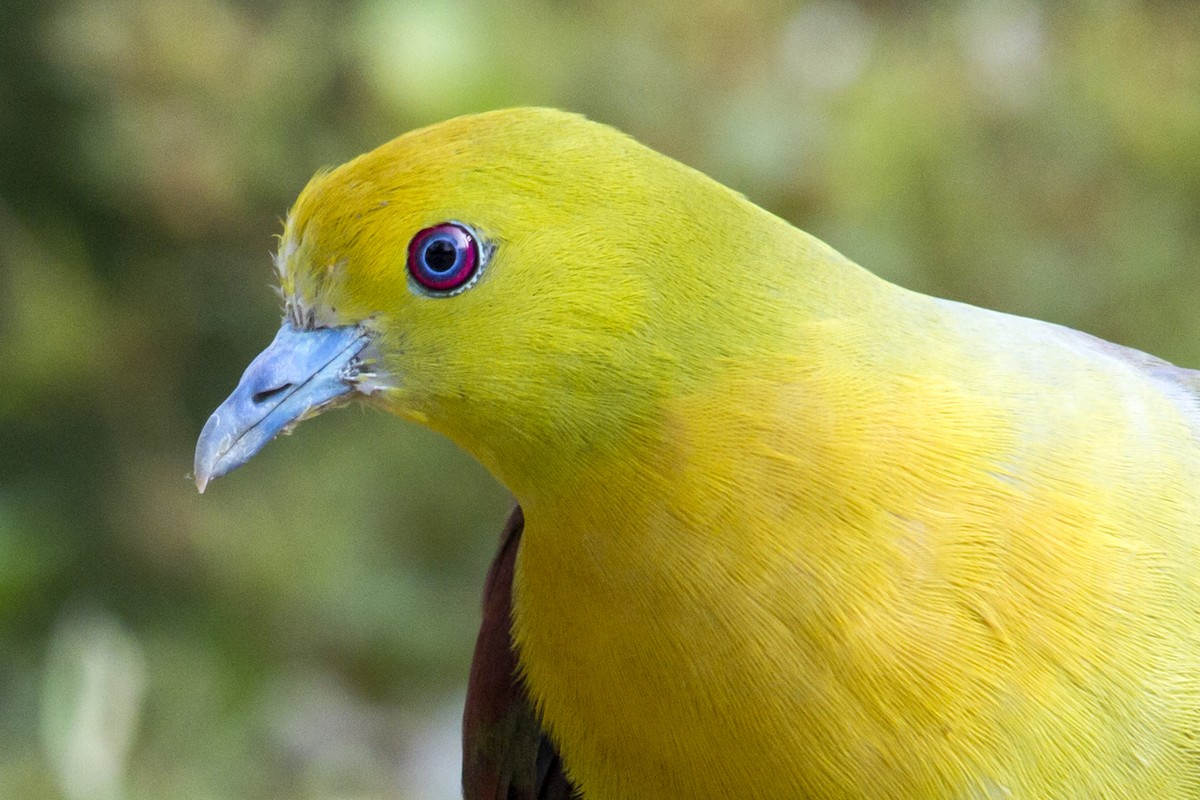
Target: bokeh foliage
302, 630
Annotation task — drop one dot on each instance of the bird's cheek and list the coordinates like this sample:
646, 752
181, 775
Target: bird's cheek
398, 400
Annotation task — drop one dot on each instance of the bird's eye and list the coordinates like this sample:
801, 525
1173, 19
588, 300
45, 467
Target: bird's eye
443, 259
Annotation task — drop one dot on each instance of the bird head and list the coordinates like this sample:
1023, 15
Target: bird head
527, 282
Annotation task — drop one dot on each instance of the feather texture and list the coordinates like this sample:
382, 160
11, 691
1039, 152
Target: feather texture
791, 531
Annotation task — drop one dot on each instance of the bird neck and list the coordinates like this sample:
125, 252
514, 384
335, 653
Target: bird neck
604, 433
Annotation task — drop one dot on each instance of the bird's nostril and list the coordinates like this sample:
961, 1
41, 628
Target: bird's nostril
267, 394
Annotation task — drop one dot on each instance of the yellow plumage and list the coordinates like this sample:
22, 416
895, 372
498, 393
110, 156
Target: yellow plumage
791, 531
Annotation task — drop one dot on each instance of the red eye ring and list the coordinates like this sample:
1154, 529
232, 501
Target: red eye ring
443, 258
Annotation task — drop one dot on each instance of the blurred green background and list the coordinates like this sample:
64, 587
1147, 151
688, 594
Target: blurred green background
303, 630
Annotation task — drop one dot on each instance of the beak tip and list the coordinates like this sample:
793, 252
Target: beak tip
208, 453
216, 455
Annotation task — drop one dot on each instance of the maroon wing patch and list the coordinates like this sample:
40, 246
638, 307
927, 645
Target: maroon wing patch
506, 755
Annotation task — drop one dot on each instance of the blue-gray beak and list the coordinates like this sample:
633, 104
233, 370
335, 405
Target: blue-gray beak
300, 374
